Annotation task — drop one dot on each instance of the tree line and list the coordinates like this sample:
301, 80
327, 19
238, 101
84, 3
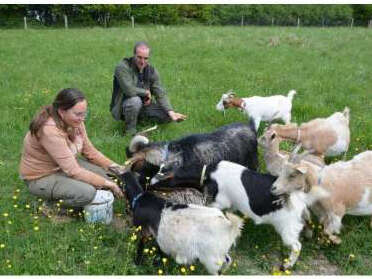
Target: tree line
244, 14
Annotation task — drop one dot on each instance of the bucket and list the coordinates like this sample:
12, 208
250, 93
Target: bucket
100, 210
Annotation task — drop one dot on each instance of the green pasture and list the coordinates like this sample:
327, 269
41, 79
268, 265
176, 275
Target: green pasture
330, 68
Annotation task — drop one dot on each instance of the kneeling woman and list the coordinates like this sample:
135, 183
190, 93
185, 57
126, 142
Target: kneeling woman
50, 165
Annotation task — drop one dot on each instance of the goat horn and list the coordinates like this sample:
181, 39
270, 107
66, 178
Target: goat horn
144, 132
294, 152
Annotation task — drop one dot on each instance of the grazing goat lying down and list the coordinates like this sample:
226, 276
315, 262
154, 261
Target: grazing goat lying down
260, 108
236, 142
187, 232
230, 185
275, 158
329, 136
349, 184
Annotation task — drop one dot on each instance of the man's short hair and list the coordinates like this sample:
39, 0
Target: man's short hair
140, 44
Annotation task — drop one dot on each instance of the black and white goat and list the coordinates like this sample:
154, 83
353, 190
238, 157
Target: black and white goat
230, 185
187, 232
235, 142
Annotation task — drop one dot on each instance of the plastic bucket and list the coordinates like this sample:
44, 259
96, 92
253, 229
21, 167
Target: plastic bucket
100, 210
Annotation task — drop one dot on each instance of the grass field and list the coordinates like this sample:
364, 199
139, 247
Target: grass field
330, 69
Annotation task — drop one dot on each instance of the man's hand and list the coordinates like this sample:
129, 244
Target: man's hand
175, 116
114, 188
147, 99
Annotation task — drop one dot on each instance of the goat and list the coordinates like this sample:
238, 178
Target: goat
349, 184
185, 231
329, 136
275, 158
236, 142
260, 108
230, 185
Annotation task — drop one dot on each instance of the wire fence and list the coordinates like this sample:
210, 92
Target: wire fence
107, 21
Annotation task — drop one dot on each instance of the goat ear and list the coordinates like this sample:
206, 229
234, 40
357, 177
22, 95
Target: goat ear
301, 169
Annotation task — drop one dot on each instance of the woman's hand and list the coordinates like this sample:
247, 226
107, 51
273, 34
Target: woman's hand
114, 188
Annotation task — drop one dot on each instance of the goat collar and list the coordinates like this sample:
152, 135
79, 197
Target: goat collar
242, 105
165, 153
298, 135
135, 199
202, 177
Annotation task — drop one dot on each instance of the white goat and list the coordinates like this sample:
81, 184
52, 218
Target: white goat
187, 232
329, 136
276, 158
260, 108
348, 182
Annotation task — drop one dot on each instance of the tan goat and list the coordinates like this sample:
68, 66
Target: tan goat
276, 158
349, 184
329, 136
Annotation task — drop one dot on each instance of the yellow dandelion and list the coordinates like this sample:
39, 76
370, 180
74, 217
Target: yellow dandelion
146, 250
256, 246
81, 230
10, 222
40, 208
351, 256
288, 272
286, 260
70, 210
40, 200
9, 266
151, 252
18, 190
58, 204
7, 261
14, 197
234, 264
183, 270
164, 260
219, 263
138, 228
15, 205
28, 206
5, 214
36, 217
95, 247
60, 201
2, 245
192, 268
160, 272
119, 214
133, 238
153, 249
100, 237
87, 262
36, 228
356, 149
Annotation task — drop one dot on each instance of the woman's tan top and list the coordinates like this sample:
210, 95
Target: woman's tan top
54, 151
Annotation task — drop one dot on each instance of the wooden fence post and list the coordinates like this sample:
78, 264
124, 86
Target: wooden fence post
242, 21
66, 21
272, 21
298, 22
132, 17
25, 22
352, 23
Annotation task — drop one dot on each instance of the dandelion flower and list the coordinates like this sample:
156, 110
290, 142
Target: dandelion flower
36, 228
351, 256
14, 197
183, 270
288, 272
153, 249
219, 263
192, 268
36, 217
7, 261
286, 260
5, 214
27, 206
256, 246
95, 247
10, 222
160, 272
138, 228
133, 237
2, 245
9, 266
151, 252
164, 260
18, 190
81, 230
234, 264
40, 200
87, 262
61, 201
15, 205
146, 250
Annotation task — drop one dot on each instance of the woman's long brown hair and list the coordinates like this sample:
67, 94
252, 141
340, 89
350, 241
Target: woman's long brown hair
65, 99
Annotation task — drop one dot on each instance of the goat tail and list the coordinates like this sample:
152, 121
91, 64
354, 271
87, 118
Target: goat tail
346, 113
316, 193
236, 224
291, 94
136, 142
